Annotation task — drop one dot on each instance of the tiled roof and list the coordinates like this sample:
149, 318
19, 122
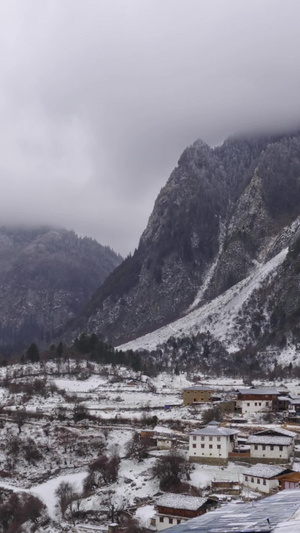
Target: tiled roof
281, 431
269, 439
259, 516
264, 471
215, 431
261, 390
181, 501
199, 388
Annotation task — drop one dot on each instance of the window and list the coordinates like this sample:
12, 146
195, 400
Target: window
255, 447
246, 478
248, 404
219, 438
252, 480
195, 399
202, 445
281, 448
267, 404
178, 521
258, 481
170, 520
219, 446
264, 482
194, 437
210, 446
255, 404
194, 445
259, 403
202, 438
263, 447
161, 518
210, 438
272, 448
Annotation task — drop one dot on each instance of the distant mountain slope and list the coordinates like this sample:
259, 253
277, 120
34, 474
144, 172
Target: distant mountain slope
222, 211
46, 276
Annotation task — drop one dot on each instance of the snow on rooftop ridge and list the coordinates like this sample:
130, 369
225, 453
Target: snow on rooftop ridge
264, 470
217, 315
259, 390
215, 431
181, 501
269, 439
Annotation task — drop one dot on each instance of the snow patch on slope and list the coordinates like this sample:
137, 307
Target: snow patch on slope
218, 316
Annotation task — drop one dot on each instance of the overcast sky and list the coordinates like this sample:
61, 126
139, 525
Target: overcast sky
99, 98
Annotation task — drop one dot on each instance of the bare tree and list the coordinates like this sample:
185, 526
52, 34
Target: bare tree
105, 468
116, 505
136, 448
65, 494
19, 417
13, 447
171, 469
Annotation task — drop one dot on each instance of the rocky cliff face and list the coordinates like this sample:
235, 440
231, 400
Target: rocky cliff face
46, 276
220, 214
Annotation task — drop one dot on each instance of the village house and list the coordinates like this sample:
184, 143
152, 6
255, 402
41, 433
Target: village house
212, 444
289, 481
277, 513
253, 400
271, 446
294, 409
197, 394
166, 442
173, 509
263, 478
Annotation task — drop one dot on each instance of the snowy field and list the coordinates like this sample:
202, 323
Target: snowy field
121, 403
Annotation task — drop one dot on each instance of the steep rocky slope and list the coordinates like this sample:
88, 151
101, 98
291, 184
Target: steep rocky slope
46, 276
222, 212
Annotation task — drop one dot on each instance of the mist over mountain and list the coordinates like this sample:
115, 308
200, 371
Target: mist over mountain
224, 213
46, 276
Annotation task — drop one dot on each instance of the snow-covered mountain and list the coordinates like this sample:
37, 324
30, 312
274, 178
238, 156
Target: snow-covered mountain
219, 257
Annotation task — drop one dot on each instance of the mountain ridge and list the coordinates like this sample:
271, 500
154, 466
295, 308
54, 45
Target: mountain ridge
46, 276
221, 211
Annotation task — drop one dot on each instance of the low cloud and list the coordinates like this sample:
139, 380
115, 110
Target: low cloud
99, 98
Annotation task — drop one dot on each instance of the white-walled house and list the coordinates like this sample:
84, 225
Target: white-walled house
263, 477
270, 448
173, 509
212, 444
254, 400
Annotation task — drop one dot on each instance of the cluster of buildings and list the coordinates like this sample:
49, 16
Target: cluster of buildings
247, 401
267, 455
216, 444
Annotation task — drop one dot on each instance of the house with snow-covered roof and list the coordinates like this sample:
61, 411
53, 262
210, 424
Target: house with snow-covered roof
270, 447
263, 478
212, 444
294, 409
173, 509
254, 400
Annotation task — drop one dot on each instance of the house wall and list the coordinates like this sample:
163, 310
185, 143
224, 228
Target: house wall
210, 446
163, 522
261, 484
258, 451
251, 406
164, 444
195, 396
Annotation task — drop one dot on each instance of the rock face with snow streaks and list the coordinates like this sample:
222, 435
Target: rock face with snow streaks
223, 212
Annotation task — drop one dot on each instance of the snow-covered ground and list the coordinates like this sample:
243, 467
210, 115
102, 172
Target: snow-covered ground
121, 401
